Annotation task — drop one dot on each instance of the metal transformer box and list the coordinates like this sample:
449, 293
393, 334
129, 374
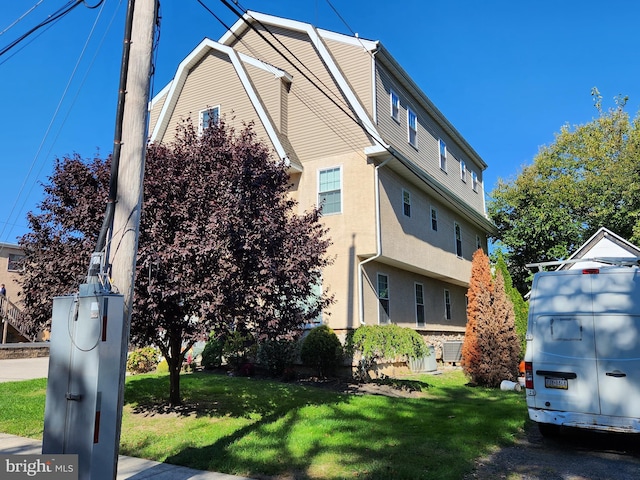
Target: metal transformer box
87, 355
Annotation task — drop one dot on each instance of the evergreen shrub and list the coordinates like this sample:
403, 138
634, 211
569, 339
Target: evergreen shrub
322, 350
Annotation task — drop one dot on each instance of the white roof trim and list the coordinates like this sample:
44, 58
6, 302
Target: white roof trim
158, 96
176, 85
369, 45
316, 39
265, 66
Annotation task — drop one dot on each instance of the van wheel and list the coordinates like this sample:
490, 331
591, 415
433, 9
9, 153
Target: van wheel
549, 429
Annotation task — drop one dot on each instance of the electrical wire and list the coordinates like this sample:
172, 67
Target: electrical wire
57, 15
20, 18
241, 14
46, 134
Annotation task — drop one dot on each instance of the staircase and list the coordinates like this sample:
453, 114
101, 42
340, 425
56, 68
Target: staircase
10, 315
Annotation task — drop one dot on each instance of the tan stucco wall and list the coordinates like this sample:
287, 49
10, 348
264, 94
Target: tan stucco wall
10, 278
410, 240
402, 299
352, 232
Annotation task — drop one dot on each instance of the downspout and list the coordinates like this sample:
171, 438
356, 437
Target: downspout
378, 243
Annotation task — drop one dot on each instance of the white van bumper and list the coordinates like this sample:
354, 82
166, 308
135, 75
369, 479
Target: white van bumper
588, 421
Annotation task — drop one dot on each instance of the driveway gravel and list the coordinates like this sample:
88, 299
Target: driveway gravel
572, 455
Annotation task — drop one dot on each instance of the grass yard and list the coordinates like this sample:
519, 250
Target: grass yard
259, 428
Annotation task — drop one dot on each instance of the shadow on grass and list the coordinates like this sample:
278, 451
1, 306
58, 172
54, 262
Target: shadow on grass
306, 432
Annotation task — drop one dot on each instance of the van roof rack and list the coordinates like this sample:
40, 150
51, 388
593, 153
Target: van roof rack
617, 261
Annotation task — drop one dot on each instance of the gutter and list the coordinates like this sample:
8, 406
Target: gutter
378, 243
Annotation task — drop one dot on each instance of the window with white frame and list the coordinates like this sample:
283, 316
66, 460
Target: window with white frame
406, 203
412, 121
434, 219
383, 299
447, 305
395, 106
443, 155
14, 263
463, 171
458, 235
330, 190
420, 317
208, 117
474, 181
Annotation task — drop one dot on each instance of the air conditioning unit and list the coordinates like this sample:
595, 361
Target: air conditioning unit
452, 351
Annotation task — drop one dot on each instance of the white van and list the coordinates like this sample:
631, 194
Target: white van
582, 360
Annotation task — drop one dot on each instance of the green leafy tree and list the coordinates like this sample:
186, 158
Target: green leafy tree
588, 178
520, 306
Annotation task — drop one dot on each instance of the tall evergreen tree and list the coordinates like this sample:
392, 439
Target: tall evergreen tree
478, 307
520, 306
491, 349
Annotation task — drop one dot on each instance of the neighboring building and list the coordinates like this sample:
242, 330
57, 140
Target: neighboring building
402, 191
602, 244
10, 255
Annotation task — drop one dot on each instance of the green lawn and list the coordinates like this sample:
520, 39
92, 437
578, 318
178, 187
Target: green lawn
260, 428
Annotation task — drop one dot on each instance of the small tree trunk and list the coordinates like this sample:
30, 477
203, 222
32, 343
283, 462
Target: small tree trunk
175, 365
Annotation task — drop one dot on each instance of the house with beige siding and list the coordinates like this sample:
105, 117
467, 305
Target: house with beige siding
10, 256
401, 190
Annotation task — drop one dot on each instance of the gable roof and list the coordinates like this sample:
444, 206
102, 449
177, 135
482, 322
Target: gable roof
603, 243
174, 89
249, 20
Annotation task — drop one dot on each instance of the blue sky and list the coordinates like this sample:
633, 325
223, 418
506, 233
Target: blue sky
508, 75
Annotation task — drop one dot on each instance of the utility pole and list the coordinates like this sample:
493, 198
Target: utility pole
90, 329
124, 238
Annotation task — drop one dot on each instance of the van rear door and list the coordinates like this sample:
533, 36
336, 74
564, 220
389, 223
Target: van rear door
564, 366
563, 343
617, 329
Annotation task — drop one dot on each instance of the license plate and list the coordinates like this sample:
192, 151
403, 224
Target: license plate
559, 383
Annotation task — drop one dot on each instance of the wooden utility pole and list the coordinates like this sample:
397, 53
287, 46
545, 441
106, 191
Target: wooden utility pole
123, 246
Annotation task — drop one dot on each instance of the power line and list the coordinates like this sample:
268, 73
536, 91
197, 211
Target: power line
261, 35
61, 12
17, 20
8, 223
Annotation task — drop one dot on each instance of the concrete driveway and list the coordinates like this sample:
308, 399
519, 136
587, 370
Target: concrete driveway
14, 369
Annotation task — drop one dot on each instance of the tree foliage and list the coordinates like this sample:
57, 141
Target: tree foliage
478, 307
588, 178
491, 349
520, 307
321, 350
221, 246
62, 236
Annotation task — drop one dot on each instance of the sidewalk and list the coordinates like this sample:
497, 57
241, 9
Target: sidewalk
129, 468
